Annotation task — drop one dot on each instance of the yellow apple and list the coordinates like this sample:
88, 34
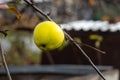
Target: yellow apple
48, 35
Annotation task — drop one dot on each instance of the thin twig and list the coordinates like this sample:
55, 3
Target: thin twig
4, 32
69, 37
93, 48
2, 52
38, 10
50, 58
88, 58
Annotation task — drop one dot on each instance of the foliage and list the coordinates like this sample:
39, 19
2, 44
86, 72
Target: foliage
98, 39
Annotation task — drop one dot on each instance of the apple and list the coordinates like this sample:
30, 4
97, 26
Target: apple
47, 35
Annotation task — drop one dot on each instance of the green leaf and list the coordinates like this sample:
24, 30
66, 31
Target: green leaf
64, 44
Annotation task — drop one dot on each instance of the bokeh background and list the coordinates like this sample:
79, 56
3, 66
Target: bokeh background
93, 22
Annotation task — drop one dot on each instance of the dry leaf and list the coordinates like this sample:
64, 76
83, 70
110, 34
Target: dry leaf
92, 2
17, 13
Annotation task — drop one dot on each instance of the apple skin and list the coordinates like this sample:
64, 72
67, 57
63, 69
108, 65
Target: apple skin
48, 35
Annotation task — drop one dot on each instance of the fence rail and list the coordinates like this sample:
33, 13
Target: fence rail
54, 69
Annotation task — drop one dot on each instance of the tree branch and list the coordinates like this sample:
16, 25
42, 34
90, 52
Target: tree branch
38, 10
68, 37
2, 52
87, 57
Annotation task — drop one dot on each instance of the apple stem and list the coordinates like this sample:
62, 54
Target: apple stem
68, 37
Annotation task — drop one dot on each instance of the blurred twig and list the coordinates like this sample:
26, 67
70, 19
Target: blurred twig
68, 37
50, 58
93, 48
38, 10
87, 57
4, 32
2, 52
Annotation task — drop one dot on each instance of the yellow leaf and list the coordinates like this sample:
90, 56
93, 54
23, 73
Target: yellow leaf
93, 37
96, 37
97, 44
15, 11
92, 2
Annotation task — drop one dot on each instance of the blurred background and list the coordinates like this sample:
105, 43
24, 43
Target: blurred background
93, 22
